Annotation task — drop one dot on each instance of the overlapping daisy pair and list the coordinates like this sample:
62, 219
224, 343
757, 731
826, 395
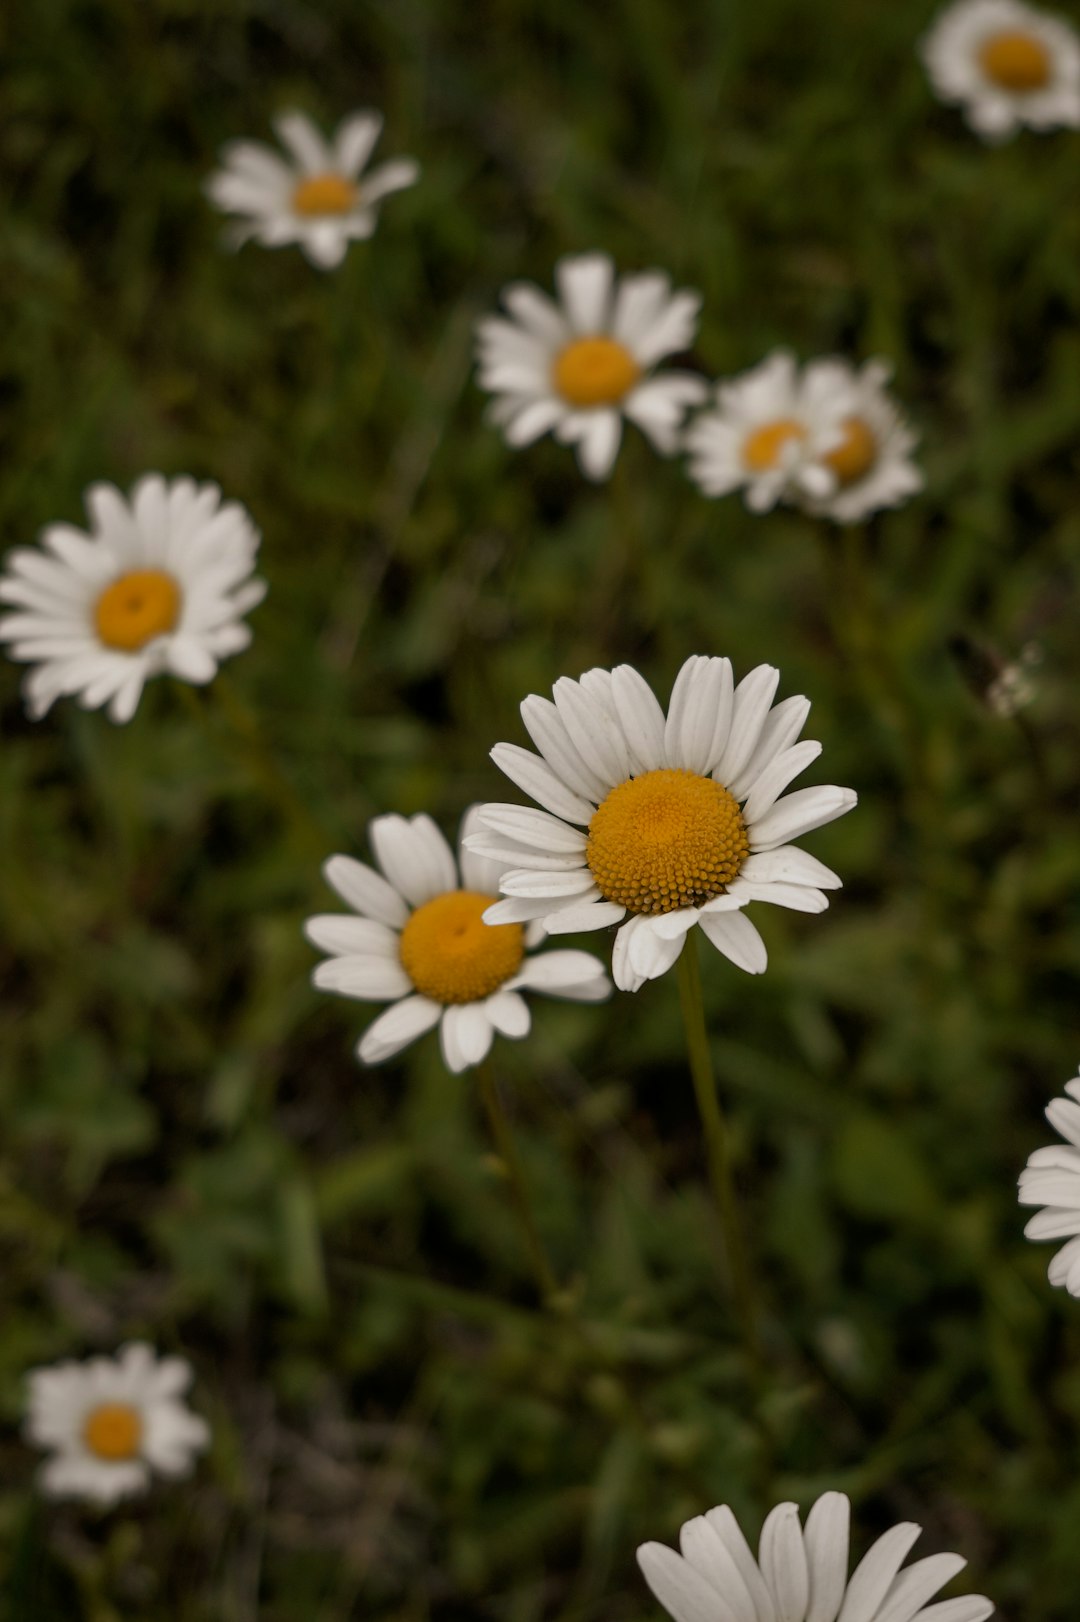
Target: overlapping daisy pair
825, 437
321, 196
111, 1422
801, 1572
1009, 65
677, 820
160, 584
418, 941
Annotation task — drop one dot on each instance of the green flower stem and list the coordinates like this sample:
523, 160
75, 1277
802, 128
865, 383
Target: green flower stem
717, 1148
546, 1282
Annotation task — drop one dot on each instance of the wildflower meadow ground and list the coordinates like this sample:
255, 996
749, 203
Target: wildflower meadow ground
444, 1323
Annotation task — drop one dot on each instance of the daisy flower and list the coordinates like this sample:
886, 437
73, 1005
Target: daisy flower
161, 583
576, 368
676, 820
1052, 1179
826, 438
420, 944
869, 465
800, 1574
319, 197
1007, 64
112, 1421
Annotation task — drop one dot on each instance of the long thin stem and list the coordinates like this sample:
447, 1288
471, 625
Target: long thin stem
717, 1147
501, 1132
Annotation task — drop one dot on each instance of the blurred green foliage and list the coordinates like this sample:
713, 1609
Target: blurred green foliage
190, 1153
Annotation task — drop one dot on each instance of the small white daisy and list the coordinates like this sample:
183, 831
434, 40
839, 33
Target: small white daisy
577, 368
826, 438
801, 1572
420, 943
321, 198
161, 583
870, 465
1007, 64
1052, 1179
112, 1421
677, 820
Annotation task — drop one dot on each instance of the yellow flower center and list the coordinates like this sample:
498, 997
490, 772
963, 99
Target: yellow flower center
595, 372
856, 453
1016, 61
761, 449
113, 1431
665, 840
452, 956
325, 194
137, 608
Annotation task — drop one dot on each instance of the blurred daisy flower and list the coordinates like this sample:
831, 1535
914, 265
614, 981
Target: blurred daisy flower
826, 438
419, 942
161, 583
1007, 64
800, 1574
319, 197
111, 1422
677, 820
576, 368
1052, 1179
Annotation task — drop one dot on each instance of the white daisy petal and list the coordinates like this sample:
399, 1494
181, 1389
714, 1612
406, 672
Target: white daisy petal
537, 779
734, 935
684, 1594
344, 936
968, 1608
369, 978
918, 1583
583, 915
415, 857
1051, 1179
466, 1034
553, 971
528, 827
704, 1550
594, 732
826, 1536
547, 726
623, 972
366, 891
584, 284
787, 864
641, 716
750, 707
397, 1028
782, 1557
799, 813
598, 444
782, 770
873, 1575
508, 1013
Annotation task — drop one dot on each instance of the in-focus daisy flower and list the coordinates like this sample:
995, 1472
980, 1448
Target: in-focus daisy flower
1007, 64
826, 438
1052, 1179
161, 583
576, 368
800, 1574
319, 197
869, 465
420, 943
112, 1421
676, 820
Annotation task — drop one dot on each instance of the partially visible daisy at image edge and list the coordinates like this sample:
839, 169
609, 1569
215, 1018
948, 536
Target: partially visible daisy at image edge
417, 940
110, 1423
319, 196
801, 1572
825, 437
159, 584
1007, 64
677, 820
577, 367
1051, 1179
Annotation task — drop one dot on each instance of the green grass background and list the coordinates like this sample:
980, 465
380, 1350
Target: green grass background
189, 1151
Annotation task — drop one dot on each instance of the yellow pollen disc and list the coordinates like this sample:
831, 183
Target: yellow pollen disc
595, 372
1016, 61
452, 956
856, 453
113, 1431
666, 840
325, 194
761, 449
137, 608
